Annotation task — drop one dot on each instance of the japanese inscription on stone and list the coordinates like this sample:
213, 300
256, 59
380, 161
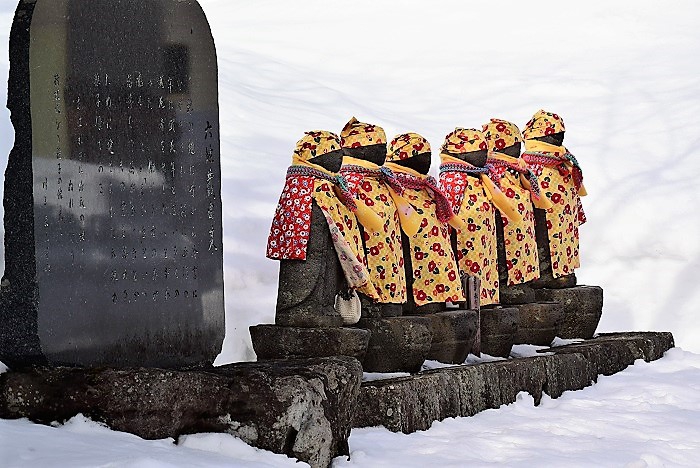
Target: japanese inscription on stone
126, 181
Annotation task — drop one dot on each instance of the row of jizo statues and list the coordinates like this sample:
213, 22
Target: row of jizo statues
359, 216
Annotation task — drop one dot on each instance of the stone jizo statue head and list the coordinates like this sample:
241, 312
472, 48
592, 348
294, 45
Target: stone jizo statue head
545, 126
410, 150
467, 144
503, 137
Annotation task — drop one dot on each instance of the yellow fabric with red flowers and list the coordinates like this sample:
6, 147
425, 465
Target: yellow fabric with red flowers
383, 246
501, 134
543, 123
435, 274
566, 214
406, 146
464, 140
317, 143
519, 234
357, 134
346, 222
476, 245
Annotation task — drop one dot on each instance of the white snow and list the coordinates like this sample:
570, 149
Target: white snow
83, 443
626, 78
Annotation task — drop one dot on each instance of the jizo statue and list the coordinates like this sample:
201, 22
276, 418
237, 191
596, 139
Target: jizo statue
561, 182
316, 237
431, 268
512, 176
365, 151
472, 194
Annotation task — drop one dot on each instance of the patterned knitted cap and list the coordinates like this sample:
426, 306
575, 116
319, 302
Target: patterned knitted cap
316, 143
501, 134
464, 140
406, 146
357, 134
543, 123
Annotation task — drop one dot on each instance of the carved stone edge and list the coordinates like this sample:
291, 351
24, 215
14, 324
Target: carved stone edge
409, 404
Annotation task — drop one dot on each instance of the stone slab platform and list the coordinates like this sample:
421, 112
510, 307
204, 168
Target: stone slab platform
409, 404
301, 408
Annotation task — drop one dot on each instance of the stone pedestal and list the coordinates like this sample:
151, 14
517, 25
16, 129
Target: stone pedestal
516, 294
375, 310
278, 342
397, 344
498, 328
301, 408
539, 323
582, 309
409, 404
453, 335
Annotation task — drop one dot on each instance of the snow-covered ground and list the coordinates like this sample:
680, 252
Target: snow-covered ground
626, 77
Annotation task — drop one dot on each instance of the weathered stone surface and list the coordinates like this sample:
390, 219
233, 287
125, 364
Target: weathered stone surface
397, 344
539, 323
611, 353
308, 288
453, 335
409, 404
583, 307
277, 342
516, 294
299, 408
113, 241
498, 328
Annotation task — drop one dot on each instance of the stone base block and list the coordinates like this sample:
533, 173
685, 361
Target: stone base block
612, 352
582, 309
549, 281
516, 294
539, 323
453, 335
278, 342
498, 328
432, 308
409, 404
299, 408
397, 344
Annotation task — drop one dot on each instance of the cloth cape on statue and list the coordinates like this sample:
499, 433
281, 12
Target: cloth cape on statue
519, 234
382, 247
435, 273
289, 233
561, 181
471, 199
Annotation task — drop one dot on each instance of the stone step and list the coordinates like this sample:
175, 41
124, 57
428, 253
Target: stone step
279, 342
409, 404
301, 408
582, 309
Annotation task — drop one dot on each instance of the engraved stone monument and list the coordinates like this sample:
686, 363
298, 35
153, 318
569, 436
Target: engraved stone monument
113, 244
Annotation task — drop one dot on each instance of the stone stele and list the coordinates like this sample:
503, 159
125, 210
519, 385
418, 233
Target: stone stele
113, 243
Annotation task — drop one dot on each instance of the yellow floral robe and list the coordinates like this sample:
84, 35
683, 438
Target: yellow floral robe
382, 247
566, 214
346, 222
476, 245
519, 234
435, 273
